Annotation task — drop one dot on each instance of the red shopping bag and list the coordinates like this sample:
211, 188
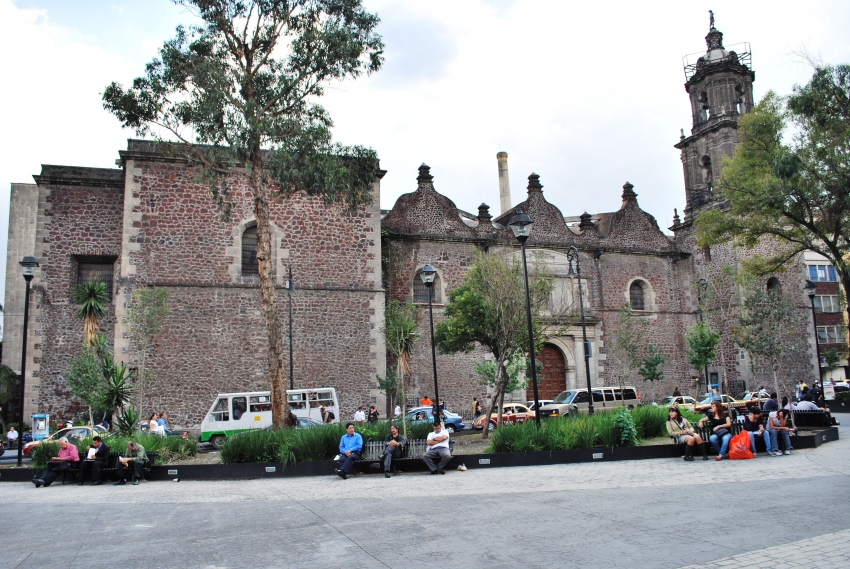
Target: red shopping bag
739, 446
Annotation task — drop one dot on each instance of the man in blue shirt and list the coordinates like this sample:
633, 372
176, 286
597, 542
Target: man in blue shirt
161, 423
770, 404
350, 446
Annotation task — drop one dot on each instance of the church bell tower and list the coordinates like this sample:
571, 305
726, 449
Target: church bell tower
720, 86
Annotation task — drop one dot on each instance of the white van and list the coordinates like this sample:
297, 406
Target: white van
233, 413
604, 398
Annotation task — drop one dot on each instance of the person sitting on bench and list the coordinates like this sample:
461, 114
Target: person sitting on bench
755, 428
131, 459
94, 460
680, 428
395, 444
438, 456
68, 454
350, 446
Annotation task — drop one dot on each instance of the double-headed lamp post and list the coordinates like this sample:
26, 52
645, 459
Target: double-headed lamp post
521, 225
572, 255
28, 264
811, 290
427, 275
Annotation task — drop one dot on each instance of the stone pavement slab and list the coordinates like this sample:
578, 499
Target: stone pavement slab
662, 513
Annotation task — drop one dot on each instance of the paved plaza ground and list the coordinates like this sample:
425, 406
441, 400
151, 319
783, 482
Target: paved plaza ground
782, 512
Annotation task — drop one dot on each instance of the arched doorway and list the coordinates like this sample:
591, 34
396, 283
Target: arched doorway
554, 374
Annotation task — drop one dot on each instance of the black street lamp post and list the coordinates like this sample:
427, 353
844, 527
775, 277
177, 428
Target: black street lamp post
572, 255
521, 225
29, 265
290, 286
427, 275
811, 290
702, 289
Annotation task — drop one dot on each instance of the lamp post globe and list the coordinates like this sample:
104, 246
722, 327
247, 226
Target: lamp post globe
427, 275
28, 267
521, 225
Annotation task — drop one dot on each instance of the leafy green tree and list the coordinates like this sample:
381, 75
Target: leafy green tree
765, 329
627, 343
237, 96
91, 300
145, 318
487, 373
86, 380
832, 358
789, 179
399, 335
702, 346
650, 367
489, 309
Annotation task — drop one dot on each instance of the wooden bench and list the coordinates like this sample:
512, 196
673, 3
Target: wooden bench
413, 451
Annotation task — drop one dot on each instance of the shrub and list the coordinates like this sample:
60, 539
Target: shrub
168, 449
650, 421
625, 428
842, 396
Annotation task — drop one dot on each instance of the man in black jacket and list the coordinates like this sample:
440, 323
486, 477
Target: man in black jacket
96, 461
395, 444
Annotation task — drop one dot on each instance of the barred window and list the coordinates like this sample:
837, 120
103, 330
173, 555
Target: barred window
96, 272
420, 291
249, 252
636, 296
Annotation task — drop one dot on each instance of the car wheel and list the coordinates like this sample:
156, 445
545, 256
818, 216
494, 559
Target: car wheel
217, 441
450, 429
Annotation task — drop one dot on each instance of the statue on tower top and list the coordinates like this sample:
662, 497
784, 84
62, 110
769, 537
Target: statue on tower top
711, 19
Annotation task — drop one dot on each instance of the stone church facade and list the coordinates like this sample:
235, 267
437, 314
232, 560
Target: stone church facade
149, 223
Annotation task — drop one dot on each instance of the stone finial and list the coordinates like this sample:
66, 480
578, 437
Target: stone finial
484, 213
681, 134
714, 40
629, 195
676, 220
585, 222
534, 184
425, 178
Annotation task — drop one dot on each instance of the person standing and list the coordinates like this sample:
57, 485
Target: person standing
676, 392
350, 447
397, 411
476, 408
153, 425
359, 416
131, 459
438, 454
426, 401
95, 461
374, 416
68, 454
394, 448
162, 424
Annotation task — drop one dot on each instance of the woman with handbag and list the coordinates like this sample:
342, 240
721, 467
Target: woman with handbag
680, 428
721, 427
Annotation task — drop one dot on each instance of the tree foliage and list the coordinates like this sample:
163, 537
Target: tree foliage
145, 319
237, 95
789, 179
702, 345
489, 309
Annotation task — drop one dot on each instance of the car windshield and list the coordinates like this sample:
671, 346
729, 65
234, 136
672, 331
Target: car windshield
667, 401
565, 397
706, 401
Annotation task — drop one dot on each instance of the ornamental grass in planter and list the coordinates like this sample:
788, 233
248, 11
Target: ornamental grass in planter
602, 429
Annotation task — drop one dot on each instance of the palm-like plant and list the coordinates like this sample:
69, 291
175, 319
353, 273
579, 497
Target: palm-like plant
91, 299
400, 334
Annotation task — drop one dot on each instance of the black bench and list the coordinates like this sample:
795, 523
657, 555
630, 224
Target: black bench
413, 451
813, 419
706, 431
111, 467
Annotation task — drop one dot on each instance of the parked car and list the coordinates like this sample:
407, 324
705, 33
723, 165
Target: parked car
752, 396
735, 407
452, 421
72, 433
577, 400
530, 404
680, 401
512, 413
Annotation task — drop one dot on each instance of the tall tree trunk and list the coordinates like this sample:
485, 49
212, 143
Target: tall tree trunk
140, 404
485, 431
400, 374
277, 382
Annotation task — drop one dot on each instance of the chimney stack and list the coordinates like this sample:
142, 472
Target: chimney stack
504, 182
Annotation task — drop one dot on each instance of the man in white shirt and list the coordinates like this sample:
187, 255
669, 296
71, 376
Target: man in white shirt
359, 416
12, 437
397, 411
438, 455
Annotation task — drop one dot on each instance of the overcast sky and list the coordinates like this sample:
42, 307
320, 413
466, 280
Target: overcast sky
586, 94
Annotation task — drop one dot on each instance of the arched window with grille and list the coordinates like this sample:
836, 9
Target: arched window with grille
249, 252
420, 291
637, 296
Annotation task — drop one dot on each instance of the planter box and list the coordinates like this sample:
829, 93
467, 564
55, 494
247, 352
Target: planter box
808, 439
